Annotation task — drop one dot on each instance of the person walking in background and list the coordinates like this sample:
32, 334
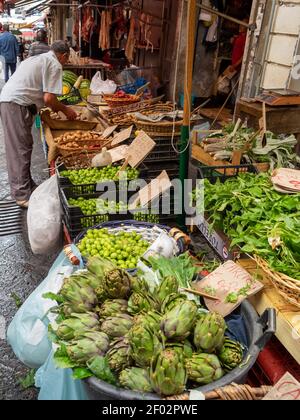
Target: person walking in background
9, 50
21, 49
40, 46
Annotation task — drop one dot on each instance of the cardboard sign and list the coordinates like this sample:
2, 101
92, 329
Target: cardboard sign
213, 238
231, 284
108, 131
287, 389
153, 190
140, 149
119, 153
122, 136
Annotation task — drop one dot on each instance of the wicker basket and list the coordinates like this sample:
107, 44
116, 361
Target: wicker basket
88, 146
77, 160
287, 287
159, 129
114, 102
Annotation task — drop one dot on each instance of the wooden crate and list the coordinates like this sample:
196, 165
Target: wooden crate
201, 156
288, 316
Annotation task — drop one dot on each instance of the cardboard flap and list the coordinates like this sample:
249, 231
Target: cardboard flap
140, 149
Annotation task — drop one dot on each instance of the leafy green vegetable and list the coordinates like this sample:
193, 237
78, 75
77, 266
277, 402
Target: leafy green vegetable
100, 368
181, 267
232, 298
53, 296
81, 373
29, 380
62, 360
17, 299
256, 217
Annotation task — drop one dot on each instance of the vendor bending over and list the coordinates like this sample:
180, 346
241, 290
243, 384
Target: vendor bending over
36, 83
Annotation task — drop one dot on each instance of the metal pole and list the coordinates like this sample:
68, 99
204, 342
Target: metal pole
185, 131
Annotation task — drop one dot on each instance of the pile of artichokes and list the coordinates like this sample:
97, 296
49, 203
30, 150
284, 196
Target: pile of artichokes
153, 342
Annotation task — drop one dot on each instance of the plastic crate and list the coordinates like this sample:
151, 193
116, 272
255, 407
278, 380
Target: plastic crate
222, 173
155, 169
92, 188
163, 151
76, 221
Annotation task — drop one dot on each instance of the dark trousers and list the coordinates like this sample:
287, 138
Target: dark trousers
17, 123
11, 67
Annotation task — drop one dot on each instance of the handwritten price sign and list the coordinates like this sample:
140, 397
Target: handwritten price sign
231, 284
288, 388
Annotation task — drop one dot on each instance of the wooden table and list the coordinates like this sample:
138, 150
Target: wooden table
280, 119
288, 316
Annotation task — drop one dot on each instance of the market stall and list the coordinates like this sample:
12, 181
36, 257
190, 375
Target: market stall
132, 309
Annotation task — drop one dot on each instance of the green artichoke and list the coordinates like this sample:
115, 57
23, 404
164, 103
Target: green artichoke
99, 266
111, 308
135, 379
117, 326
171, 301
178, 323
77, 325
150, 319
167, 373
119, 355
117, 284
78, 296
167, 287
144, 344
101, 293
204, 368
209, 332
88, 278
185, 348
231, 354
88, 346
139, 285
140, 302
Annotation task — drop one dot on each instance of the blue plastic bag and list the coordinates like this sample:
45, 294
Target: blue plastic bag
28, 332
58, 384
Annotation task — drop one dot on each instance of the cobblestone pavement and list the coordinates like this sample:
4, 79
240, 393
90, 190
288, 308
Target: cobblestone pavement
20, 274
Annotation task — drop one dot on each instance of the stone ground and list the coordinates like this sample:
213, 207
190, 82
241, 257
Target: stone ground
20, 273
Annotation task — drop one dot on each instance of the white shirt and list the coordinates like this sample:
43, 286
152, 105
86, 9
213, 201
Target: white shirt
34, 77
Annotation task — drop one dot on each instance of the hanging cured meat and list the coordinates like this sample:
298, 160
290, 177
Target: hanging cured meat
104, 34
76, 25
146, 30
131, 41
120, 25
88, 22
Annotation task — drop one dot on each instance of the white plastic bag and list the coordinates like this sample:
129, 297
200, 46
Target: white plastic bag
99, 86
44, 218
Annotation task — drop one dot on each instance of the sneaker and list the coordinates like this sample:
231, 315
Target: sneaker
24, 204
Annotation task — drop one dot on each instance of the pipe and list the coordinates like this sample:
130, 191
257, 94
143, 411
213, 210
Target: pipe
185, 131
251, 26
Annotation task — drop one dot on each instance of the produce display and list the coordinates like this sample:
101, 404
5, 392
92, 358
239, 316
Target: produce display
123, 249
94, 175
127, 333
73, 137
69, 79
258, 219
279, 151
61, 117
96, 206
92, 206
